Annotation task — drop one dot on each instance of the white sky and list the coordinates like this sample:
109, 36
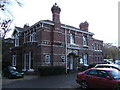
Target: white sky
102, 15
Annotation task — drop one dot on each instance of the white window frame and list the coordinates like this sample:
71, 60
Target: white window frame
24, 63
14, 60
16, 40
47, 59
81, 61
85, 43
29, 60
85, 59
24, 37
63, 59
32, 37
72, 38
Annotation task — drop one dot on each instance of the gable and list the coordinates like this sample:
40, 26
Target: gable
17, 30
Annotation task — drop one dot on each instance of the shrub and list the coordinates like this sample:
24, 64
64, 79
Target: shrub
48, 70
91, 65
83, 68
117, 86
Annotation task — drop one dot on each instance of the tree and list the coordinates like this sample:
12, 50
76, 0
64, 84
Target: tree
3, 3
110, 51
5, 26
7, 44
6, 22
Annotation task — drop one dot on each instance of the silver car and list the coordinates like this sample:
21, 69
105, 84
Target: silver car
108, 66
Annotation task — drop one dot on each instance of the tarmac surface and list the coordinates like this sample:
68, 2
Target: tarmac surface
35, 81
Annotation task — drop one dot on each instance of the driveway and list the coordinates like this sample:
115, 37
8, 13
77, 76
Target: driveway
58, 81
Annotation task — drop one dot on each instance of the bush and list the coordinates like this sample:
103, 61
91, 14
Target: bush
83, 68
91, 65
117, 86
48, 70
5, 64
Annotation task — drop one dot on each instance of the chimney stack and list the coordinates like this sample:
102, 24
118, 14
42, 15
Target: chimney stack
56, 13
84, 26
26, 26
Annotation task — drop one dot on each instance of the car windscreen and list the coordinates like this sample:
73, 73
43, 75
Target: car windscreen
102, 66
115, 74
12, 68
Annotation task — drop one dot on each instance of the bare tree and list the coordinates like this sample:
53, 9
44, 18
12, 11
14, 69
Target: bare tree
6, 23
110, 51
3, 3
5, 27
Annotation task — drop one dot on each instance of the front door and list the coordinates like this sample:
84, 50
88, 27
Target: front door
28, 61
71, 62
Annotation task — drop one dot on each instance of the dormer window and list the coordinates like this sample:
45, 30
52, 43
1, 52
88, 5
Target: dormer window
72, 38
85, 43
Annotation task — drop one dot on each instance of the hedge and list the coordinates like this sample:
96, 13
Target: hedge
83, 68
51, 70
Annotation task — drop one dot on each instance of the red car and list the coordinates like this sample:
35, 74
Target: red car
98, 78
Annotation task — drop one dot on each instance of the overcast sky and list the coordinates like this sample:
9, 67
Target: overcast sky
102, 15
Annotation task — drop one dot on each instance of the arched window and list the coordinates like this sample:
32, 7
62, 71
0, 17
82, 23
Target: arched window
47, 59
32, 37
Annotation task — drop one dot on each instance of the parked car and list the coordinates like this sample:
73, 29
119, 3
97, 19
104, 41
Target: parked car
98, 78
118, 63
12, 72
108, 66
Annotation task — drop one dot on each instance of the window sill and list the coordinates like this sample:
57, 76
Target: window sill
30, 70
16, 45
47, 62
14, 65
85, 46
86, 65
72, 44
23, 69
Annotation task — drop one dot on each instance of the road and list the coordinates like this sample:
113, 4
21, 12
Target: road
58, 81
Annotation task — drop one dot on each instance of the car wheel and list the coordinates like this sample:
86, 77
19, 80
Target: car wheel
84, 85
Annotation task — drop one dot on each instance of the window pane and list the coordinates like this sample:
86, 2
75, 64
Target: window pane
47, 59
84, 40
72, 38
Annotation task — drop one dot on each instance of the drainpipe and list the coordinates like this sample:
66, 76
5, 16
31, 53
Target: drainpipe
66, 49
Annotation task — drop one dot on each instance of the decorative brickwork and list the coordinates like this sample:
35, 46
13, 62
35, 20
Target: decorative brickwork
50, 43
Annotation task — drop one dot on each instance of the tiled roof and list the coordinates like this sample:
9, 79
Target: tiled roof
67, 27
19, 29
52, 23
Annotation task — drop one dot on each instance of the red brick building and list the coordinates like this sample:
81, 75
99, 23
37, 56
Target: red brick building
51, 43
